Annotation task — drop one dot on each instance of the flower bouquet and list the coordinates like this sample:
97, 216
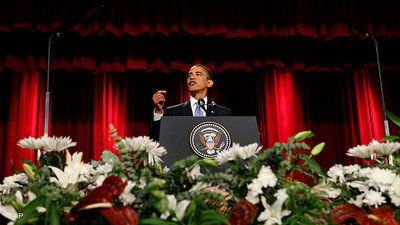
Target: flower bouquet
133, 188
370, 193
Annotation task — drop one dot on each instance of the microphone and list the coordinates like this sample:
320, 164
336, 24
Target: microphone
202, 104
210, 105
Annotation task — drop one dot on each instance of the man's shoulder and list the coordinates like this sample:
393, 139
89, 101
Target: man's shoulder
177, 110
222, 110
177, 107
220, 107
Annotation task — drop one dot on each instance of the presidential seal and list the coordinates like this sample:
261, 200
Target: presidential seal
208, 139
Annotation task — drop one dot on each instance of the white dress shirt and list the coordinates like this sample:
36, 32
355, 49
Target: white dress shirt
192, 101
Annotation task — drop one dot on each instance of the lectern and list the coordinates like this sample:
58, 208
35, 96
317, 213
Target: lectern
205, 137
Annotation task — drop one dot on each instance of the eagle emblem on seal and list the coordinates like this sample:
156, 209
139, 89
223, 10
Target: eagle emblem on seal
210, 141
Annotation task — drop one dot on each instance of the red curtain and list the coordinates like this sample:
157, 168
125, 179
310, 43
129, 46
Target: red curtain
311, 18
369, 106
343, 109
282, 107
22, 115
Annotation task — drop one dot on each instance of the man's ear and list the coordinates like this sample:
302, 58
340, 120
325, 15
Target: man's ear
210, 83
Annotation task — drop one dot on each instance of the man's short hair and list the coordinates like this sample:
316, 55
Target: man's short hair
210, 75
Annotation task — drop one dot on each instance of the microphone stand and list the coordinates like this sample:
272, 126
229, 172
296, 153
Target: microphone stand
385, 121
367, 35
56, 33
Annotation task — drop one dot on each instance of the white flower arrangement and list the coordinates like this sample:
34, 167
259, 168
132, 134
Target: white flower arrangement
136, 180
178, 207
137, 145
13, 182
238, 152
31, 143
373, 150
56, 144
384, 149
273, 214
361, 151
265, 178
372, 183
49, 144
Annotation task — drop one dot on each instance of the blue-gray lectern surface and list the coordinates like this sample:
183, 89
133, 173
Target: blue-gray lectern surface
183, 136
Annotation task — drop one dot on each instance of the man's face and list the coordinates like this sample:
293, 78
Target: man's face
197, 79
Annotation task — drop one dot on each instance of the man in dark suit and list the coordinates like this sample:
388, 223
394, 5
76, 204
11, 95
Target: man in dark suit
199, 79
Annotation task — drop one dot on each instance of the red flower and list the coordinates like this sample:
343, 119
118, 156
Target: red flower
341, 213
100, 200
243, 213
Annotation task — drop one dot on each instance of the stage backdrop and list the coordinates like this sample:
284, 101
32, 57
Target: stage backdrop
293, 66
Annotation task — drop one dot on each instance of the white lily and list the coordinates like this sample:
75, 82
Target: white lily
75, 160
195, 172
325, 190
179, 208
273, 214
69, 177
9, 212
65, 179
20, 199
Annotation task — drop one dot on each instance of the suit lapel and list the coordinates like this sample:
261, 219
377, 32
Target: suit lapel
187, 109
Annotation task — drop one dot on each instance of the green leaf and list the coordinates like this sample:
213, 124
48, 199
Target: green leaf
58, 163
18, 207
314, 166
108, 155
208, 162
190, 209
54, 218
397, 214
47, 205
13, 169
211, 218
390, 138
395, 119
30, 210
317, 149
303, 135
112, 127
152, 221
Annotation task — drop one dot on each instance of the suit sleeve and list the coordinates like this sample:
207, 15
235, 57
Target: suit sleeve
154, 130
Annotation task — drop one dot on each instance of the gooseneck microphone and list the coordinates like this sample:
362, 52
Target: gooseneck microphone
210, 106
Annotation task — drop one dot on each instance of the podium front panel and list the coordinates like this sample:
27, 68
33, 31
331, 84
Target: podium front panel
175, 133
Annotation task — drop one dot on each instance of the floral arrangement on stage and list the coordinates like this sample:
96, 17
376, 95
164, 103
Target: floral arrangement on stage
258, 187
370, 192
132, 188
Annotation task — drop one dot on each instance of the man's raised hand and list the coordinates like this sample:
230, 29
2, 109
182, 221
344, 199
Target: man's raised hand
159, 100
